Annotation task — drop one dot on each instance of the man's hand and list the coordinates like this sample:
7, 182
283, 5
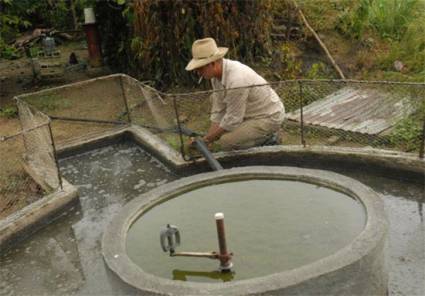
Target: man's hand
207, 142
191, 142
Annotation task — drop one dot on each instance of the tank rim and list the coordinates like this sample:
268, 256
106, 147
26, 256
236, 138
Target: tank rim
372, 236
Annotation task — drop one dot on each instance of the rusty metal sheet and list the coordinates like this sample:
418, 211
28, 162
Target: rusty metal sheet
367, 111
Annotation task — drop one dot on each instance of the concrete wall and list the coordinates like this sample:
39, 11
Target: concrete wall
358, 268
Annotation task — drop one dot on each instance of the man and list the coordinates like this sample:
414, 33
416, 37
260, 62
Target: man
242, 115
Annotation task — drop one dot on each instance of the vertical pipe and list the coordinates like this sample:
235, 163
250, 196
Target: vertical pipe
55, 156
225, 263
125, 99
301, 113
93, 45
421, 148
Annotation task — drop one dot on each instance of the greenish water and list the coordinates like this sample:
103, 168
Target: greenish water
271, 226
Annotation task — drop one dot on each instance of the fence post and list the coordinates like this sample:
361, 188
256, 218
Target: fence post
127, 110
55, 156
301, 113
176, 112
421, 148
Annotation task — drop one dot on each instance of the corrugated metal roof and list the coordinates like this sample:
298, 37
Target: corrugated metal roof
366, 111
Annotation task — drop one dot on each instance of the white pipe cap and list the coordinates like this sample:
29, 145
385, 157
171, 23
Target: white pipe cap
219, 216
89, 17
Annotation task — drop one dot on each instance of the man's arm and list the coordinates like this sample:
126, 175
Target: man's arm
214, 132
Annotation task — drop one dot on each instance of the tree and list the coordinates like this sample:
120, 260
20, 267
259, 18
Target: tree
160, 33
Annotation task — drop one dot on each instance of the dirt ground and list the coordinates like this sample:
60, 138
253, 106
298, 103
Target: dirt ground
17, 189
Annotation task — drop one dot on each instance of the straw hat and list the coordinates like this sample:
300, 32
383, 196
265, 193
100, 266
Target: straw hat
205, 51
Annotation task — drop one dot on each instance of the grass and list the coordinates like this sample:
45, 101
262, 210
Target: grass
390, 18
380, 33
48, 103
407, 134
9, 112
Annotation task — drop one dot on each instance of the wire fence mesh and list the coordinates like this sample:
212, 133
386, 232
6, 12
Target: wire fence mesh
40, 153
344, 113
82, 109
154, 110
359, 114
17, 188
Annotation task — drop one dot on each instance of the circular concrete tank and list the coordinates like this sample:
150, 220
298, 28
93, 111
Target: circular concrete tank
355, 267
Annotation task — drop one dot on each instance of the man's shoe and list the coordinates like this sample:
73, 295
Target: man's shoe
273, 139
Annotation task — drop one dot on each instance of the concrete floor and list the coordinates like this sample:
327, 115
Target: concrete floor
64, 258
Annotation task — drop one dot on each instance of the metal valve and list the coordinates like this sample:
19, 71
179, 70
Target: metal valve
170, 239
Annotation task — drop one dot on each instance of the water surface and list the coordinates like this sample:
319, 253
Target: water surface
271, 226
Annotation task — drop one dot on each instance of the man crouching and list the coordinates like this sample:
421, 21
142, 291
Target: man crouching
245, 111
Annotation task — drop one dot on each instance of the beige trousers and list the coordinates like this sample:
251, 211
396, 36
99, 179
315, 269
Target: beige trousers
250, 133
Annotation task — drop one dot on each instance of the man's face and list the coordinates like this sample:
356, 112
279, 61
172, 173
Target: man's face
207, 71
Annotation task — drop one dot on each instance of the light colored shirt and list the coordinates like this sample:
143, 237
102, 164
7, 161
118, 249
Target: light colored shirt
236, 98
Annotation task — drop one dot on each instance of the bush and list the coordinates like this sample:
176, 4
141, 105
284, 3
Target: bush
407, 134
18, 16
162, 32
389, 18
410, 50
9, 112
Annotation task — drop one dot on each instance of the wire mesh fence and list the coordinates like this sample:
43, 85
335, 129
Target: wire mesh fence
40, 153
82, 109
155, 110
344, 113
359, 114
17, 188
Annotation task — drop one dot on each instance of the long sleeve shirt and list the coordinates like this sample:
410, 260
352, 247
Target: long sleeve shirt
236, 98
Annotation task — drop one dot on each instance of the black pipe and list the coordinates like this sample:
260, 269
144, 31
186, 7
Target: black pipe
202, 147
188, 132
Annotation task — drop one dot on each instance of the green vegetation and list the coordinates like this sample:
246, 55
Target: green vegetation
317, 71
290, 65
48, 103
18, 16
173, 140
407, 134
160, 33
400, 23
389, 18
9, 112
151, 39
376, 34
